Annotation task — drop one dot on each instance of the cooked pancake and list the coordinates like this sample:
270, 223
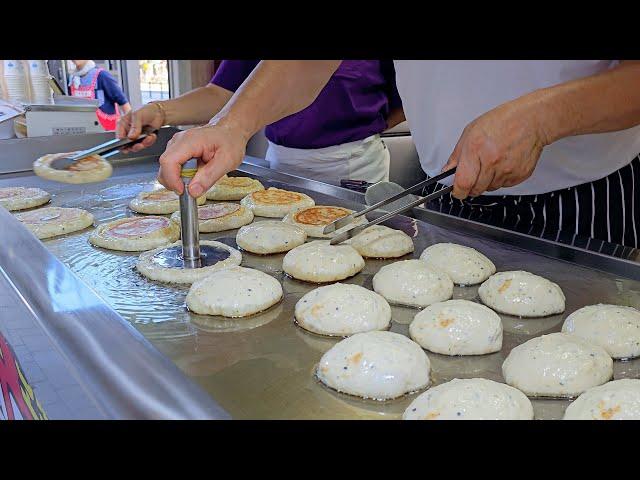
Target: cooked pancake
21, 198
135, 234
276, 203
377, 365
522, 294
465, 265
150, 269
320, 262
234, 292
270, 236
52, 221
217, 217
159, 202
470, 399
233, 188
557, 365
378, 241
457, 327
342, 309
314, 219
614, 327
412, 283
615, 400
88, 170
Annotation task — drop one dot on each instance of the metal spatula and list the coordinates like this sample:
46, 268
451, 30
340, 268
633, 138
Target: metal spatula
344, 221
106, 149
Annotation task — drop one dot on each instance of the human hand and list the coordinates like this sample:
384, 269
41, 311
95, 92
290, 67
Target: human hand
218, 148
499, 149
131, 124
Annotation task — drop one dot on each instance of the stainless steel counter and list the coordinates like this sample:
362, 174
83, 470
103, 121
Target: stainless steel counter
93, 317
262, 366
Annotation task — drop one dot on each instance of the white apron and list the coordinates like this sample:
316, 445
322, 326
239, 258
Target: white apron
366, 159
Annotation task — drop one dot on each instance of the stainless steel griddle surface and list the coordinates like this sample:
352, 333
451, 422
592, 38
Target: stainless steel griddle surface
262, 366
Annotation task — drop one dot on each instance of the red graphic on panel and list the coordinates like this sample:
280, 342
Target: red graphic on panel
17, 400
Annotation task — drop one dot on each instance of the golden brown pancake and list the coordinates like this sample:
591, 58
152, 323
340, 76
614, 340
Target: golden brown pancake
320, 215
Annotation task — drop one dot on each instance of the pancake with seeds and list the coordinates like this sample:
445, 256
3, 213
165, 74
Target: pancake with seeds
135, 234
159, 202
314, 219
21, 198
53, 221
91, 169
217, 217
275, 202
233, 188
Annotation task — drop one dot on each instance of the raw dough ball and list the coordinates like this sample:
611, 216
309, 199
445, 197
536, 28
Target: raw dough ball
470, 399
91, 169
276, 203
412, 283
313, 219
233, 188
217, 217
21, 198
52, 221
557, 365
457, 327
155, 271
616, 400
522, 294
270, 236
342, 309
320, 262
234, 292
135, 234
378, 365
465, 265
615, 328
159, 202
379, 241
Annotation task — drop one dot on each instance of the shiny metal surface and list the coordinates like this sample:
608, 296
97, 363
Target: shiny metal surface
173, 257
119, 373
388, 216
418, 187
107, 147
262, 366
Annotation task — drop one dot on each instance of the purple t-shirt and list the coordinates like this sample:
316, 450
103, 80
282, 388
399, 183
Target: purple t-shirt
352, 106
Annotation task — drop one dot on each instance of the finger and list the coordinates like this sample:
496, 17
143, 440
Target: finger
136, 126
171, 161
454, 157
466, 175
209, 173
484, 180
121, 128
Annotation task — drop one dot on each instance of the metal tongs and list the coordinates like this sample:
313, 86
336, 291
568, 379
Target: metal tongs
344, 221
106, 150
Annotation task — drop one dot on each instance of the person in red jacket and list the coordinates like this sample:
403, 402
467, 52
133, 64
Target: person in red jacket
90, 81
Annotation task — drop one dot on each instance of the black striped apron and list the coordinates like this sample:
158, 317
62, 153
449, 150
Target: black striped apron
607, 209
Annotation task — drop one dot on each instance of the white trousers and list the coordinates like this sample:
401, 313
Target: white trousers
366, 159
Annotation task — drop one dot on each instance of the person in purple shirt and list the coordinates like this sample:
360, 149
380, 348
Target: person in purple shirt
336, 137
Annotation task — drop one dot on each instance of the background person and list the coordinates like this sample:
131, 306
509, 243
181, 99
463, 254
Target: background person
90, 81
336, 137
578, 122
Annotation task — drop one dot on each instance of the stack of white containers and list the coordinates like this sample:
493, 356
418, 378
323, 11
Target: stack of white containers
13, 81
38, 72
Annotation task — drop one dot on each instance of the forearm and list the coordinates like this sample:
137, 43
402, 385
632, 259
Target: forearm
197, 106
126, 107
395, 117
274, 90
601, 103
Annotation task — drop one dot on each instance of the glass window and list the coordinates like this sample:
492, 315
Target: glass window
154, 80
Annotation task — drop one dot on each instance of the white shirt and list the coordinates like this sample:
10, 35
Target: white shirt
441, 97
